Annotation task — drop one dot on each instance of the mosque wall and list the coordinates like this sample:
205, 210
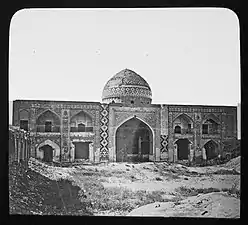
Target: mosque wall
63, 136
149, 115
106, 118
221, 130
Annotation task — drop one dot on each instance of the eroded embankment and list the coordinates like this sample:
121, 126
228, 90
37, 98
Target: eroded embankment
120, 188
32, 193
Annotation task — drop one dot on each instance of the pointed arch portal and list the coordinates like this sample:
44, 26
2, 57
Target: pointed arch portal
48, 153
211, 149
134, 141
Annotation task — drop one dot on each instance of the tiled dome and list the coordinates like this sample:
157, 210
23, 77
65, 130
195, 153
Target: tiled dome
126, 83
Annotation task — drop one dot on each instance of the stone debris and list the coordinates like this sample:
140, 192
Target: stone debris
51, 172
234, 164
159, 176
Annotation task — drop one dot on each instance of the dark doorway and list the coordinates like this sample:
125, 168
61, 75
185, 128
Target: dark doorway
81, 150
48, 126
204, 128
48, 153
81, 127
24, 124
133, 142
211, 149
177, 130
182, 149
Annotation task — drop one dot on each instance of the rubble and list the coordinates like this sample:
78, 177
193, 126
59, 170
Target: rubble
234, 164
148, 177
51, 172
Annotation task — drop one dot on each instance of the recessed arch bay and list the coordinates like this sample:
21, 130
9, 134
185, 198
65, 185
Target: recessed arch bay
134, 141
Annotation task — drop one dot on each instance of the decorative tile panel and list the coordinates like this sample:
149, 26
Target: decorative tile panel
65, 133
164, 143
104, 120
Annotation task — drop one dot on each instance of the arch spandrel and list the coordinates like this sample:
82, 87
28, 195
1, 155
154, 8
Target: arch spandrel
183, 115
211, 116
24, 114
90, 113
208, 140
44, 112
147, 117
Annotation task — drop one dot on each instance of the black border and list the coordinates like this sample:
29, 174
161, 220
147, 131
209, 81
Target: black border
13, 7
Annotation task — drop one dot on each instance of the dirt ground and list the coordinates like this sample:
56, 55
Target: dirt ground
154, 189
30, 193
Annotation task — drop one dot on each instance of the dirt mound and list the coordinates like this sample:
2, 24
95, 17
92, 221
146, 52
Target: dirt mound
234, 164
216, 205
31, 193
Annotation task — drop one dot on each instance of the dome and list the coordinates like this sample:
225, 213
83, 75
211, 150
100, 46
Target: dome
127, 86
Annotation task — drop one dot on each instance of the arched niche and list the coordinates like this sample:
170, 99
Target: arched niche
177, 129
184, 122
183, 147
212, 149
24, 119
210, 126
81, 122
43, 148
133, 141
48, 121
24, 114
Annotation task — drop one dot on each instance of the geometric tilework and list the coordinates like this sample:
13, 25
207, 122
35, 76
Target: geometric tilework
104, 153
126, 83
163, 143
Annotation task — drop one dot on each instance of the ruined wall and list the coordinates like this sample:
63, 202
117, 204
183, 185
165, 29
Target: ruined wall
20, 142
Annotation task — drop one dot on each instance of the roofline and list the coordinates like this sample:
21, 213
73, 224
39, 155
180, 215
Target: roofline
98, 103
191, 105
55, 101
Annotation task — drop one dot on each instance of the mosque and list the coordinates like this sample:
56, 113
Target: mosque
125, 126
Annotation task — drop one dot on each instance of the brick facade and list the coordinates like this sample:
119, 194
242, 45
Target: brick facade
127, 95
108, 117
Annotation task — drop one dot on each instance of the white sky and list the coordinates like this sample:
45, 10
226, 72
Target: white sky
187, 55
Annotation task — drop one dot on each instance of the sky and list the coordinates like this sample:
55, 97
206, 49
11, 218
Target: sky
187, 55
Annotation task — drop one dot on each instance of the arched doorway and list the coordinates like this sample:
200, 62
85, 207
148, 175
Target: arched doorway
133, 141
211, 149
48, 153
182, 148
